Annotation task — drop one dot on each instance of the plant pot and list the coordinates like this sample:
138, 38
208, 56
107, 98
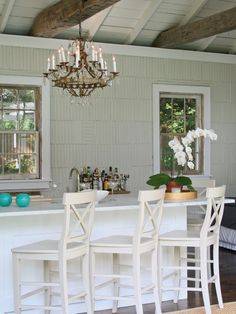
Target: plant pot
172, 184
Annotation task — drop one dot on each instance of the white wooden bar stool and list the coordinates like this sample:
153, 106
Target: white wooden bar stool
208, 236
143, 241
195, 217
74, 243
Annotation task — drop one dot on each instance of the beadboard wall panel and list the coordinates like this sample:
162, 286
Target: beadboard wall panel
116, 127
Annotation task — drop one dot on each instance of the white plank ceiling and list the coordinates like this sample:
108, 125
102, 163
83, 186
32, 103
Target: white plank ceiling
131, 22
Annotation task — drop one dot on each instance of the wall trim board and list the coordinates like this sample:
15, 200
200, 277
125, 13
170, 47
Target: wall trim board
128, 50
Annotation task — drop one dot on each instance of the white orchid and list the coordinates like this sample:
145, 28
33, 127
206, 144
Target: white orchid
182, 150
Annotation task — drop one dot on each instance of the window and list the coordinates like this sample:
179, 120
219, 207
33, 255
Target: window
178, 109
24, 134
19, 138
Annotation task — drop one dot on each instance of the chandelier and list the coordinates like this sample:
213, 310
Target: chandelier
81, 69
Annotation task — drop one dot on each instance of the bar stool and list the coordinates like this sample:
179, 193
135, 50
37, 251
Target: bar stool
143, 241
74, 243
195, 218
208, 236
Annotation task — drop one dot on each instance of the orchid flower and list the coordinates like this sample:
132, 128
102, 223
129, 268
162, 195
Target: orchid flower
182, 150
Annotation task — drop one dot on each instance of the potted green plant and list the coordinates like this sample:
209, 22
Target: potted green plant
159, 179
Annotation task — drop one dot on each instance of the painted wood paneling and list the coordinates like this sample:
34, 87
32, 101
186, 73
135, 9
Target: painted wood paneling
116, 128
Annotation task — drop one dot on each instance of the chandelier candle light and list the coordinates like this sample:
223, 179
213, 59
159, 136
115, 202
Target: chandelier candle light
81, 69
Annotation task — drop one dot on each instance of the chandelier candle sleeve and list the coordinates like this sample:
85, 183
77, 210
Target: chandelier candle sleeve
63, 54
114, 63
53, 62
59, 55
77, 59
93, 53
49, 64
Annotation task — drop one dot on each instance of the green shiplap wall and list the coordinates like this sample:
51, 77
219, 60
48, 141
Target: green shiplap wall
116, 128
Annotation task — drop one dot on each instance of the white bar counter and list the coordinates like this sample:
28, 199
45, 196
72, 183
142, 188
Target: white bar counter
43, 220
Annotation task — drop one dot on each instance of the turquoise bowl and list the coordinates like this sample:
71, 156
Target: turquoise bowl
5, 199
22, 200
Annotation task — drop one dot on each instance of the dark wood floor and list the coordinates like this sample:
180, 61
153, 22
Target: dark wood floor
228, 287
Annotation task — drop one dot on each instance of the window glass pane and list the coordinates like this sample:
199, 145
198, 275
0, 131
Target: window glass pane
26, 120
9, 120
26, 99
11, 164
9, 98
165, 115
27, 143
27, 164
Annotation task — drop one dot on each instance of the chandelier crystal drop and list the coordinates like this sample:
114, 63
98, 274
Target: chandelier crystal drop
80, 69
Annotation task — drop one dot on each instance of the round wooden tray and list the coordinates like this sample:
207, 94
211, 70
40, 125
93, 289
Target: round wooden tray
184, 195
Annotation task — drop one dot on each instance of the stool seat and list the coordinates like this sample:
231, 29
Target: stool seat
119, 240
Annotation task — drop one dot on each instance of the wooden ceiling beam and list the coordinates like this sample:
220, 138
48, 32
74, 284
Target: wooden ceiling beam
209, 26
66, 14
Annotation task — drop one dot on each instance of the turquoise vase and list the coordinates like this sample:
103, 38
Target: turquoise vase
5, 199
22, 200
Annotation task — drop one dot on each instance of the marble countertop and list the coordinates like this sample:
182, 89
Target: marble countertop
120, 202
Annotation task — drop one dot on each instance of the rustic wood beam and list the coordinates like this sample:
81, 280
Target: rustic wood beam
209, 26
65, 14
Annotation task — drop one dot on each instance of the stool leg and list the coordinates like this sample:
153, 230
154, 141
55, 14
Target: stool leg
47, 295
116, 287
177, 276
155, 282
63, 283
86, 282
16, 283
217, 274
137, 284
204, 280
159, 266
197, 271
92, 279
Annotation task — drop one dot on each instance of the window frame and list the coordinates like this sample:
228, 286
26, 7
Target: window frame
45, 168
184, 89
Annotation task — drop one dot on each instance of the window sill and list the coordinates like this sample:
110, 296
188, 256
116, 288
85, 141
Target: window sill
24, 185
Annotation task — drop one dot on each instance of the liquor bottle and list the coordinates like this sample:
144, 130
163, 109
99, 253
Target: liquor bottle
110, 173
100, 185
95, 179
105, 183
103, 175
95, 183
84, 175
89, 173
116, 174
